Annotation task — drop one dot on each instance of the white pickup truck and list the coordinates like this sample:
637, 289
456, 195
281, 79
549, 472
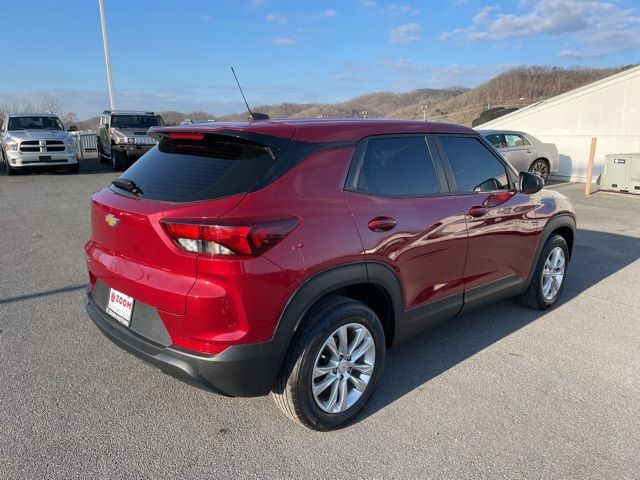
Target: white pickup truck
37, 140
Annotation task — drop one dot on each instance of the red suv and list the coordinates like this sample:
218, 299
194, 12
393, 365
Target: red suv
286, 256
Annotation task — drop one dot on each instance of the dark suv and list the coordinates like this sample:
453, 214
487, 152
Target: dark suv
287, 256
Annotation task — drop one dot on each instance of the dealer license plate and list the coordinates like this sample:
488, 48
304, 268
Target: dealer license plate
120, 307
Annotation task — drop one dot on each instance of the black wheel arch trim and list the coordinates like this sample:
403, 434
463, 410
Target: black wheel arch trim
559, 221
326, 282
333, 278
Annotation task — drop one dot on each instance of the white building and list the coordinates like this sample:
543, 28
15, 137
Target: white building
608, 109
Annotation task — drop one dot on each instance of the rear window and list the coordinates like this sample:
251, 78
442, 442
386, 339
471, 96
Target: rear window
188, 171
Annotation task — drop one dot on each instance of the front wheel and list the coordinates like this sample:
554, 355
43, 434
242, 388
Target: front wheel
549, 276
102, 157
119, 160
333, 365
10, 169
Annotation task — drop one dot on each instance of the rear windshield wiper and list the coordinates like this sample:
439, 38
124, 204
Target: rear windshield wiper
126, 184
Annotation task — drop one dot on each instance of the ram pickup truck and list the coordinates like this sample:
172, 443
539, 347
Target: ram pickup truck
123, 136
37, 140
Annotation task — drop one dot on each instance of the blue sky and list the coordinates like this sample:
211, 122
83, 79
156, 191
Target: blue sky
176, 54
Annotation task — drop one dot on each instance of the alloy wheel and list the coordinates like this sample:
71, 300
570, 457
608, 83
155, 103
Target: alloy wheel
553, 273
540, 168
343, 368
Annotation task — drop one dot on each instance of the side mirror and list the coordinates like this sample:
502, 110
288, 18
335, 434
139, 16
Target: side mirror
530, 183
72, 128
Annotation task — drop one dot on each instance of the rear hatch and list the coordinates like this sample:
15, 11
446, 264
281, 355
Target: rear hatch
189, 175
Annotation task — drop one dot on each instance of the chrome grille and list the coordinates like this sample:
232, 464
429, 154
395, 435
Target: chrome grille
40, 146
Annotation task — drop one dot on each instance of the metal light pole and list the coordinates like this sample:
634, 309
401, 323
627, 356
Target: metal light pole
107, 54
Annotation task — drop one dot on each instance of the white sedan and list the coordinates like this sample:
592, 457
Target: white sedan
524, 151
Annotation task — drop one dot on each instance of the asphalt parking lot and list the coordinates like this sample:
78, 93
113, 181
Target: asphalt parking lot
503, 392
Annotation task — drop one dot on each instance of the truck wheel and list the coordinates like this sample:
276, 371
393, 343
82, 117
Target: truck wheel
102, 157
10, 170
333, 364
549, 276
119, 160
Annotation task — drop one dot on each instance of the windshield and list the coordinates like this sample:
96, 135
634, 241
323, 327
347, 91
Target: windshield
34, 123
134, 121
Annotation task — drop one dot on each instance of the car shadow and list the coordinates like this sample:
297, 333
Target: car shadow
596, 256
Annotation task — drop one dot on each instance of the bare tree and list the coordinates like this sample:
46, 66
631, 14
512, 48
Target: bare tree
69, 118
51, 104
26, 106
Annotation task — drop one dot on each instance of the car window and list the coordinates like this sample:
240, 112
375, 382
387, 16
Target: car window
186, 171
514, 140
398, 166
34, 123
134, 121
474, 167
496, 139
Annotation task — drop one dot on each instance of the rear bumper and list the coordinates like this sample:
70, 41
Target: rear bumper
239, 371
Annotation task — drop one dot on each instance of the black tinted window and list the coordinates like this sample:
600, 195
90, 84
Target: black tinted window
397, 166
34, 123
134, 121
184, 171
474, 167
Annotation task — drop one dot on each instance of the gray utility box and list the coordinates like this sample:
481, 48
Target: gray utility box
621, 173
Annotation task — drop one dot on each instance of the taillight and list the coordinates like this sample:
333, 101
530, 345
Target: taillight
242, 237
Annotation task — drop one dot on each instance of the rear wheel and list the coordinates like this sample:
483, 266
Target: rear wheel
119, 160
549, 276
333, 365
540, 167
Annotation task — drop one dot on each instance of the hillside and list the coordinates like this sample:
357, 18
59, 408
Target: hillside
373, 105
515, 88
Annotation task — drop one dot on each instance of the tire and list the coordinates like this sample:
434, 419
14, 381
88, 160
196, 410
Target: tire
309, 350
540, 167
10, 170
75, 168
102, 158
120, 160
538, 295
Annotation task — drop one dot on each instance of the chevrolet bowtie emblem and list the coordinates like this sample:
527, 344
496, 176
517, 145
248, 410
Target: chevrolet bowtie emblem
111, 220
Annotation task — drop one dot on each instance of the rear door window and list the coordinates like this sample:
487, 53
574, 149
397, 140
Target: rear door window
496, 139
474, 167
515, 140
397, 167
187, 171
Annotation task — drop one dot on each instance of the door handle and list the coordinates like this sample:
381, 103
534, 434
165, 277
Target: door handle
478, 211
528, 151
381, 224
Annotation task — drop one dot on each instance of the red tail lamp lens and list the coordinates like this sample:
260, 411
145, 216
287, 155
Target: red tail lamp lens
243, 238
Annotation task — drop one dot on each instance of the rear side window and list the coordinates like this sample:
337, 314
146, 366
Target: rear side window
187, 171
474, 167
513, 140
397, 166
